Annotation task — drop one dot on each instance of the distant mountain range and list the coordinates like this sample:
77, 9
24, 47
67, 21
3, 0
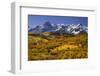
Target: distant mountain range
59, 28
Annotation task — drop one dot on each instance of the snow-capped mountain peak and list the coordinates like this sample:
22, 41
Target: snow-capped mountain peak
65, 28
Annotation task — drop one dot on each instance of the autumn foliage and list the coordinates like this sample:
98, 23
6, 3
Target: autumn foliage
50, 46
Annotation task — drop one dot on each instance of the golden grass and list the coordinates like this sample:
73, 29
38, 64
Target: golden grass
57, 47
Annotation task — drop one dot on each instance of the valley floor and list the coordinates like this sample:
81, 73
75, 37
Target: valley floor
53, 47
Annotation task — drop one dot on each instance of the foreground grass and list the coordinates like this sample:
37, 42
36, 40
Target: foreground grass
57, 47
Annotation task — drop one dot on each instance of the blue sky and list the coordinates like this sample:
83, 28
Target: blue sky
34, 20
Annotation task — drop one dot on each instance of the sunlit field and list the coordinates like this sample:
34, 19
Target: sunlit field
52, 46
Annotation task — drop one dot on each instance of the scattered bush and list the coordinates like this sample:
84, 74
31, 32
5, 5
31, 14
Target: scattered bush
57, 47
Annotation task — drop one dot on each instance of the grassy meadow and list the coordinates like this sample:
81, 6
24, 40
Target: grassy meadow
52, 46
